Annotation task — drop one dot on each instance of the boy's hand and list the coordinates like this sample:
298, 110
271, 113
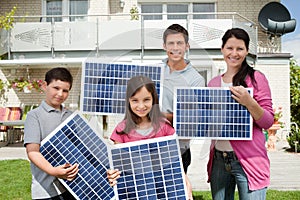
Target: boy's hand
67, 171
113, 175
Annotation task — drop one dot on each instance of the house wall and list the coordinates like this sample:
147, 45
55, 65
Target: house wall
24, 8
15, 98
277, 71
248, 9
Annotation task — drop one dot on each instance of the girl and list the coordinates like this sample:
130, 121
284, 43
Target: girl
143, 118
237, 162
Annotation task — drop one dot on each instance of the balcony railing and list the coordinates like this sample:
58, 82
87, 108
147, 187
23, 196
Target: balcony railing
115, 32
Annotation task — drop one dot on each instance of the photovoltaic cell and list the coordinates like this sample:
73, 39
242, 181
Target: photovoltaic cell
104, 85
75, 142
150, 170
210, 113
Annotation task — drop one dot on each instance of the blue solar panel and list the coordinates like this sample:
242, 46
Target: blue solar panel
104, 85
75, 142
210, 113
150, 170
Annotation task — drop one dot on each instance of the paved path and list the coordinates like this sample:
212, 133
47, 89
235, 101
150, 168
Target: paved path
285, 167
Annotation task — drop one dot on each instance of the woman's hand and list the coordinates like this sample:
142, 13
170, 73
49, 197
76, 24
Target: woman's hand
242, 96
113, 175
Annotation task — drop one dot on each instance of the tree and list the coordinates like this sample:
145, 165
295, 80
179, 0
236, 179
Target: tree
294, 135
7, 20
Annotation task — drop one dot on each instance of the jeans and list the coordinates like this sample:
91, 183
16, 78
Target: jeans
227, 173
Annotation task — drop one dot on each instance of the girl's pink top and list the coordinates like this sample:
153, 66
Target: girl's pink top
252, 154
164, 130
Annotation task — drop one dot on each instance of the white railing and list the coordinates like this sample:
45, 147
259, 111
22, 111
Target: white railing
115, 32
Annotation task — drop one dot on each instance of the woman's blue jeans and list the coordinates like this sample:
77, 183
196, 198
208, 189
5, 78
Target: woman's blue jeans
227, 173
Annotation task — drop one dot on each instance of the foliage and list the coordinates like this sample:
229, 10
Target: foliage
293, 139
277, 116
6, 21
294, 135
294, 91
134, 13
21, 83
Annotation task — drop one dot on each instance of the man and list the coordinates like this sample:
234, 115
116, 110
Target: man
178, 71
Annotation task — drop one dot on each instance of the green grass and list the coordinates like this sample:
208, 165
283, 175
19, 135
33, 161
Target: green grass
16, 179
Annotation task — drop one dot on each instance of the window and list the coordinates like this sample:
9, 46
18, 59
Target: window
53, 7
203, 7
66, 7
152, 9
170, 8
78, 7
177, 8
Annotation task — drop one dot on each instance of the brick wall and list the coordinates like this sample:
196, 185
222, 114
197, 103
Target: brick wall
248, 9
15, 97
24, 8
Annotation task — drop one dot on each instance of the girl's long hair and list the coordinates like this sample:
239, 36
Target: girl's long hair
240, 77
155, 115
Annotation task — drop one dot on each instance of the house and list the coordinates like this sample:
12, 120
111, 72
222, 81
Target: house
49, 33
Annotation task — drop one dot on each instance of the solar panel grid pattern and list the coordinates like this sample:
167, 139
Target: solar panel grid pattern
149, 171
211, 113
152, 168
104, 85
76, 142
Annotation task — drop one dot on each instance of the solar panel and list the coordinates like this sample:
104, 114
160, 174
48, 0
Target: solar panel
104, 85
75, 142
210, 113
150, 169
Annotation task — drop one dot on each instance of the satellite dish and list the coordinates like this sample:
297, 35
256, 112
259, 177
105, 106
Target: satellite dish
275, 19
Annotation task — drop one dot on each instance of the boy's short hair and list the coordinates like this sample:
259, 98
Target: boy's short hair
175, 29
59, 73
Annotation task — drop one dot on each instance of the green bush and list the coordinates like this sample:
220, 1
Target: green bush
293, 138
294, 91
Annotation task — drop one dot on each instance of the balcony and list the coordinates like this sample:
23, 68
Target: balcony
32, 38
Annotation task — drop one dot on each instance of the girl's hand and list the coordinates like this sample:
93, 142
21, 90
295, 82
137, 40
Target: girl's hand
113, 175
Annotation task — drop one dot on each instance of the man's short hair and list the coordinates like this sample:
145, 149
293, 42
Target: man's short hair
175, 29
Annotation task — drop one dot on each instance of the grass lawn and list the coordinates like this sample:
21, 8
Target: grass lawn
16, 179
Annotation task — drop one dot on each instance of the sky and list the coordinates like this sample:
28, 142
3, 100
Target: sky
291, 41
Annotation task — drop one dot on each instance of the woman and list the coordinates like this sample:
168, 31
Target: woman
242, 162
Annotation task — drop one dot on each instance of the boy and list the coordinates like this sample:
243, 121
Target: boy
178, 72
39, 123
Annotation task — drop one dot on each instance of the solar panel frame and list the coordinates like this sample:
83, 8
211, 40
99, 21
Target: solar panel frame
68, 144
210, 113
103, 88
150, 169
75, 141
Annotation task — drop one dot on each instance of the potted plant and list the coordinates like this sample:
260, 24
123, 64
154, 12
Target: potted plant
26, 85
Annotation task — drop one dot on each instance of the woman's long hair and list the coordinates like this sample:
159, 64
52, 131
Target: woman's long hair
240, 77
132, 120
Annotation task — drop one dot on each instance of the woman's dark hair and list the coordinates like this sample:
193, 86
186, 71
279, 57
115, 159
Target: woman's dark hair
134, 85
246, 69
59, 73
